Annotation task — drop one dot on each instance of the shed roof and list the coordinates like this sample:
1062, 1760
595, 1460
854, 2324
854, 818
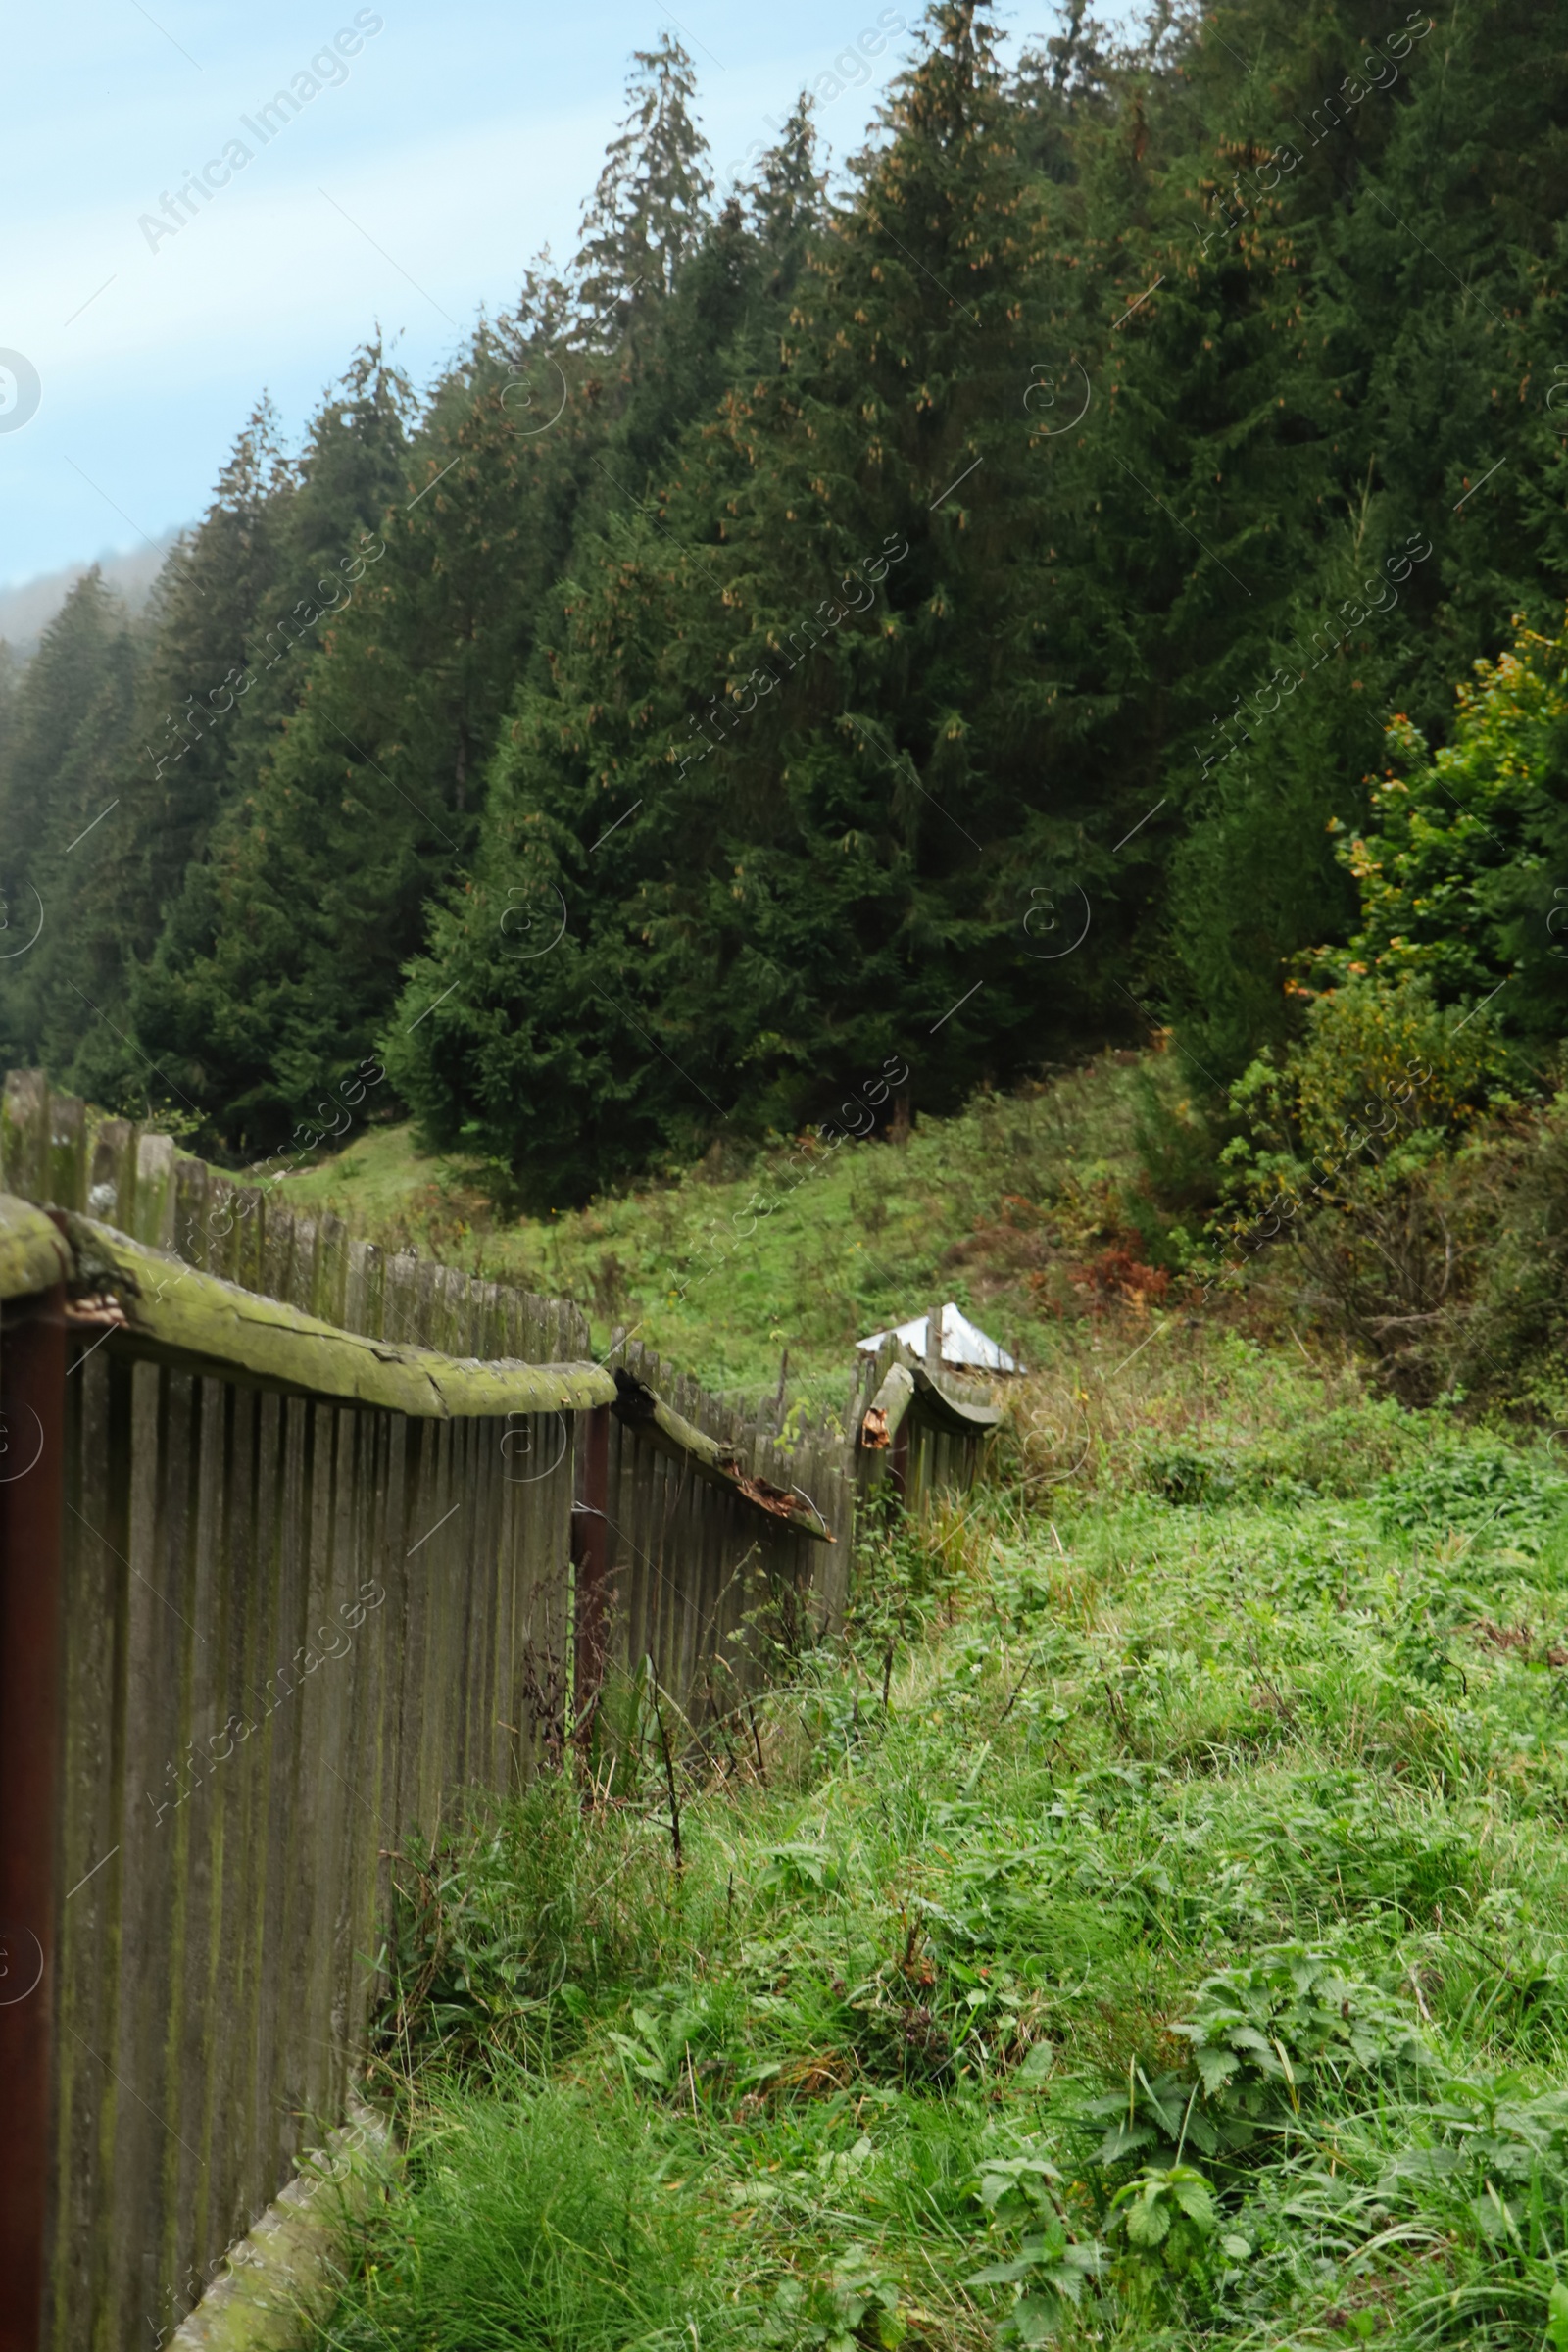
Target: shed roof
962, 1342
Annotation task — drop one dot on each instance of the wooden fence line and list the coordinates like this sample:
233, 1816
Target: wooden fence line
308, 1540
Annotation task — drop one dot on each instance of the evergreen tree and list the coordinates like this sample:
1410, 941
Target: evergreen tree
786, 201
1064, 84
11, 668
650, 208
203, 612
64, 750
1458, 864
952, 626
283, 956
1418, 331
762, 914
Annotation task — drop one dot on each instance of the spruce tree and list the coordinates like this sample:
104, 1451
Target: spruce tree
1416, 190
651, 206
63, 758
940, 627
203, 612
796, 824
284, 954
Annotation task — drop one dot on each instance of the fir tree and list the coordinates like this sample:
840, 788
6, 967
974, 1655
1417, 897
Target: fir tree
806, 617
284, 954
767, 896
651, 206
785, 201
71, 725
204, 608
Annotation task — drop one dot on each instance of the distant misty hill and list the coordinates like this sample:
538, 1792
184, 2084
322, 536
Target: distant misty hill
27, 609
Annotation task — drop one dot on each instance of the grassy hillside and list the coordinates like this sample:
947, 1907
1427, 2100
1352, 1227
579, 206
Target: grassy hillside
1147, 1927
1019, 1209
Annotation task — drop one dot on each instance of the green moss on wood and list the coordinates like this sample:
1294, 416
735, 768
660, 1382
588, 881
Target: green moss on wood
215, 1322
943, 1410
32, 1255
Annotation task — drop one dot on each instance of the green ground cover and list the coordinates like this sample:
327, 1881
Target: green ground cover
809, 1248
1147, 1924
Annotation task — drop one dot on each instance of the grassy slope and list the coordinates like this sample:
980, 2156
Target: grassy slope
817, 1249
1127, 1743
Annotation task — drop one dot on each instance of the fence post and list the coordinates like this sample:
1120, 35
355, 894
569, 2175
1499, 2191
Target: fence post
590, 1554
900, 1465
33, 1415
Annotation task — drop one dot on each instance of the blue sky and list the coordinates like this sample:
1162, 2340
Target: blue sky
410, 191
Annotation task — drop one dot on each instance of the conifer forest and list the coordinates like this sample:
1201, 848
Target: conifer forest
988, 580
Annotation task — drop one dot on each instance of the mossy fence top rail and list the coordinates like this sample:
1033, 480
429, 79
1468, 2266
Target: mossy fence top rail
57, 1153
506, 1351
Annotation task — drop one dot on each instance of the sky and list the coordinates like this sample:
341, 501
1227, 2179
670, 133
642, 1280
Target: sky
444, 147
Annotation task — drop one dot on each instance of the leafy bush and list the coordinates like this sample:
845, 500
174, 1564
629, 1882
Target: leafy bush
1340, 1136
1475, 1486
1381, 1077
1267, 2026
1342, 1452
1456, 864
1189, 1474
1264, 2036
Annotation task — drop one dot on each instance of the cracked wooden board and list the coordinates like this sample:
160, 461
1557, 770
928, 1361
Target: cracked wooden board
639, 1408
900, 1387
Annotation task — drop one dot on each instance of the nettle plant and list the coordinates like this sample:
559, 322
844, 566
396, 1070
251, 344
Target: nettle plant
847, 2307
1167, 2218
1159, 2227
1049, 2268
1480, 1489
1264, 2036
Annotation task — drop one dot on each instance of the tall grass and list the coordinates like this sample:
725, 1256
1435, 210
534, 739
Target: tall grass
1148, 1925
531, 2219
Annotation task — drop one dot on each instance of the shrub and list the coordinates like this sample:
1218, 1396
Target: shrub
1343, 1135
1476, 1487
1456, 864
1262, 2035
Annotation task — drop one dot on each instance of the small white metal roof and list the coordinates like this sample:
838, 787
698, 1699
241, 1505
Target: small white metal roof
962, 1341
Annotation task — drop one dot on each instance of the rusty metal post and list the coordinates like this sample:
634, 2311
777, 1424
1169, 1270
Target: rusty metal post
590, 1552
32, 1419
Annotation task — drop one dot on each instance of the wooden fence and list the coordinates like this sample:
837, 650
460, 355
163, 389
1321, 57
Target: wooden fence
298, 1543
